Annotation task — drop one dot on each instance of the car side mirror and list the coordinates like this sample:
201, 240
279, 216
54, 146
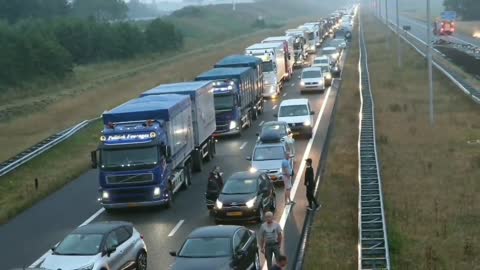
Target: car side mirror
275, 115
312, 112
292, 156
108, 251
173, 253
257, 134
93, 157
249, 158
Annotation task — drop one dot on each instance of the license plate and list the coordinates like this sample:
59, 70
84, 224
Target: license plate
132, 205
273, 177
234, 214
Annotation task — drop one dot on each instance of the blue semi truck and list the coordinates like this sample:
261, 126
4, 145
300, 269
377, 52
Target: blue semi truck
146, 150
235, 97
240, 60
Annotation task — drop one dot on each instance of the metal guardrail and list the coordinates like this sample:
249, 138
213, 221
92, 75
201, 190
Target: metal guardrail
460, 82
34, 151
373, 250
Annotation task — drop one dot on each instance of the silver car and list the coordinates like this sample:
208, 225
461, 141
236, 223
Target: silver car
99, 246
332, 52
268, 157
312, 79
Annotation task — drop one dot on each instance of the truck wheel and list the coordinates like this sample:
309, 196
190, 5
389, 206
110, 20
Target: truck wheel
187, 177
254, 113
197, 161
208, 157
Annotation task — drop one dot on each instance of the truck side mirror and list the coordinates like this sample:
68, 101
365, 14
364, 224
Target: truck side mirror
93, 157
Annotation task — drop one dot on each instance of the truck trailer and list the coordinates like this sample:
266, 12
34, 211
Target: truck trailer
145, 151
203, 116
234, 97
289, 50
240, 60
299, 45
274, 61
315, 27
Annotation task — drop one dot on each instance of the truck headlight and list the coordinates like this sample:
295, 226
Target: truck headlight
218, 204
233, 124
307, 123
156, 192
251, 202
105, 195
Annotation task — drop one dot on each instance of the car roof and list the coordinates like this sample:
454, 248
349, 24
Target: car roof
101, 227
270, 144
329, 48
271, 123
313, 68
245, 175
214, 231
321, 57
294, 101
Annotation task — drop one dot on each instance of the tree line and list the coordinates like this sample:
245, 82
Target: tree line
468, 9
46, 38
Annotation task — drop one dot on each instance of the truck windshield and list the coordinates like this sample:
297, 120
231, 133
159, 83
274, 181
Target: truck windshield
267, 66
310, 36
223, 102
129, 158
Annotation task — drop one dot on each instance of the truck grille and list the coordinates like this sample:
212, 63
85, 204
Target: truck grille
130, 178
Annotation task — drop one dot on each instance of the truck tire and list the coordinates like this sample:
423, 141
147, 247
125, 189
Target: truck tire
197, 160
208, 157
211, 149
254, 113
188, 177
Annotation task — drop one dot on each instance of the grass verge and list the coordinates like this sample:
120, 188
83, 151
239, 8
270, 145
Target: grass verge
67, 160
332, 243
430, 174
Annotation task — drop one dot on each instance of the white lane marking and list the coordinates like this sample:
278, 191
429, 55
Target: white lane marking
90, 219
293, 84
284, 94
243, 145
274, 107
287, 209
261, 123
175, 229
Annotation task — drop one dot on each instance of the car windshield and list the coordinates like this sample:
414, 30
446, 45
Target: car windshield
321, 61
80, 245
329, 51
206, 248
269, 153
129, 157
293, 110
223, 102
310, 36
239, 186
280, 129
267, 66
309, 74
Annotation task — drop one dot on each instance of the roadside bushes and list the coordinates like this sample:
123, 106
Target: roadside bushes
37, 48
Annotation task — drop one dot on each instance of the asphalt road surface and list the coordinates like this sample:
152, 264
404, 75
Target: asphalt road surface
27, 237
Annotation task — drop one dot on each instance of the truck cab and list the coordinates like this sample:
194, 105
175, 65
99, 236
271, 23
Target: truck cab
233, 90
143, 144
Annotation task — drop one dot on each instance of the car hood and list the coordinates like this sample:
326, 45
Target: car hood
221, 263
235, 198
267, 164
61, 262
294, 119
311, 80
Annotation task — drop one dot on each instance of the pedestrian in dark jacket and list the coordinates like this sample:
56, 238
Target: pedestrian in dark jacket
310, 186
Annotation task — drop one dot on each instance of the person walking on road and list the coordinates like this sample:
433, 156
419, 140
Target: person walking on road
310, 186
270, 235
287, 173
281, 263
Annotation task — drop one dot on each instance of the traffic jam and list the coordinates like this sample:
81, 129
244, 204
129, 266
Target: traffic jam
268, 102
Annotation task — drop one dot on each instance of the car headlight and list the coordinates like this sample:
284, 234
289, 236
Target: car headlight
233, 124
251, 202
328, 76
88, 267
272, 88
307, 123
105, 195
156, 192
218, 204
302, 83
252, 169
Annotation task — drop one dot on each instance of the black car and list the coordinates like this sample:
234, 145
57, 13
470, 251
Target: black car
274, 127
218, 247
245, 196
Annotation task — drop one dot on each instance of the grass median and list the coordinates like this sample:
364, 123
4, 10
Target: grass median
430, 173
333, 241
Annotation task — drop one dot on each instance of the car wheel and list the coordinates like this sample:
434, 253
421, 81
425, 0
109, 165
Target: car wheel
257, 265
309, 134
141, 260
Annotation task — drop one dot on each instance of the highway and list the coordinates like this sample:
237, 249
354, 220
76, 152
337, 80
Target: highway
34, 231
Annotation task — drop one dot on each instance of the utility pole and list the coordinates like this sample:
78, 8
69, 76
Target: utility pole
399, 47
387, 39
429, 60
386, 12
233, 5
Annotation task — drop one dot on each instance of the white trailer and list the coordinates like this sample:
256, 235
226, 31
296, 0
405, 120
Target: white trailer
273, 64
311, 41
288, 40
317, 32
